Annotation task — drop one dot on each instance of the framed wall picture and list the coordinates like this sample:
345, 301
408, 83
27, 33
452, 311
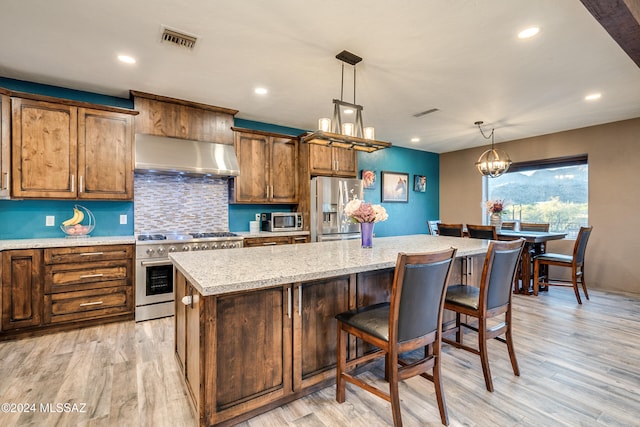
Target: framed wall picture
419, 183
395, 187
368, 179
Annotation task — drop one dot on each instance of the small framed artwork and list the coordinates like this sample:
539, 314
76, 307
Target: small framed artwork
419, 183
368, 179
395, 187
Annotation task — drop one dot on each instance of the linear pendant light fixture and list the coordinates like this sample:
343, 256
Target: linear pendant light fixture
492, 163
337, 133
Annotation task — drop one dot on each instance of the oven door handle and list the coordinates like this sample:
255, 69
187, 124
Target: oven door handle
151, 263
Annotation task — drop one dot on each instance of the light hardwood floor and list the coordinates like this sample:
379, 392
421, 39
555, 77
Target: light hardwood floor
579, 367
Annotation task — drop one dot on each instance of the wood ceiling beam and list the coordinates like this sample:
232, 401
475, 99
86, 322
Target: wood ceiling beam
621, 19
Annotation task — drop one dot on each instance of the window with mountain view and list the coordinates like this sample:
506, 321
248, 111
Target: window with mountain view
553, 191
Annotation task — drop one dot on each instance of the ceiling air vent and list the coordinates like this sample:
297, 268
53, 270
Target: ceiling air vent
424, 113
179, 39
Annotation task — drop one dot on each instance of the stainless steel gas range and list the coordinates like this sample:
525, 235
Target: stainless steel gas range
154, 271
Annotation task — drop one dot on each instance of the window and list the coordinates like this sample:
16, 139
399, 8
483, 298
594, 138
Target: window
553, 191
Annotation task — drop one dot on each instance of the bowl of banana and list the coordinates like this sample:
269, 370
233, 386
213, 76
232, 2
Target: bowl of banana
80, 224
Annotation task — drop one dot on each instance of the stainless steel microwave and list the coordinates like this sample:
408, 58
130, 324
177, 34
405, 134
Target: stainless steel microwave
281, 221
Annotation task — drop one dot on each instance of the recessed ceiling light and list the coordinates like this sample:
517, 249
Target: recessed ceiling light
529, 32
127, 59
415, 139
593, 97
261, 91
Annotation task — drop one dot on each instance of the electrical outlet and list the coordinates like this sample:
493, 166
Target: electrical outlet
123, 219
50, 221
258, 217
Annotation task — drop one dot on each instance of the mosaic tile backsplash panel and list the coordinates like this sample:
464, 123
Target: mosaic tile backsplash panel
180, 203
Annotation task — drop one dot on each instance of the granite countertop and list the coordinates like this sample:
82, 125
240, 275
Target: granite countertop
62, 242
233, 270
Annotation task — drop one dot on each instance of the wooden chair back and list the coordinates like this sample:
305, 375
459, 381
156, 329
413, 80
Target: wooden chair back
531, 226
508, 225
482, 232
433, 227
454, 230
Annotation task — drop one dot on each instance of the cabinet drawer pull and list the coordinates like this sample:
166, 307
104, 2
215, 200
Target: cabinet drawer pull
299, 238
73, 183
91, 253
80, 187
85, 304
87, 276
269, 243
5, 181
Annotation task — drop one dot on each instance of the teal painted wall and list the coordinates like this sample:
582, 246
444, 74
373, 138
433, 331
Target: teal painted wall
25, 219
411, 217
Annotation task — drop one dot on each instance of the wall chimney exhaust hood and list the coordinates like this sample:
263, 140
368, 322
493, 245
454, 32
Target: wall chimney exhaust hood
166, 155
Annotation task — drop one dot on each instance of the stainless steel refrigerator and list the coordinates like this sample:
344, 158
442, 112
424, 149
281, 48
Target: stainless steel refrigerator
329, 196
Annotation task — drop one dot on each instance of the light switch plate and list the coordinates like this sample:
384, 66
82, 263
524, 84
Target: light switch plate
257, 217
123, 219
50, 221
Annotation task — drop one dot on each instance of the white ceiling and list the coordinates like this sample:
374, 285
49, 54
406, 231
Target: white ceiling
460, 56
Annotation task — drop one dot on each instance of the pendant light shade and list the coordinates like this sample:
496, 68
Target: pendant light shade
336, 133
492, 163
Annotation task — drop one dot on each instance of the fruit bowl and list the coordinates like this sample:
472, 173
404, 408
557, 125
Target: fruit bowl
80, 224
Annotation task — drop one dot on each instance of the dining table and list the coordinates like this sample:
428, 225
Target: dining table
535, 244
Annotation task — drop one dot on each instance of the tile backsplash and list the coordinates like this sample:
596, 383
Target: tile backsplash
180, 203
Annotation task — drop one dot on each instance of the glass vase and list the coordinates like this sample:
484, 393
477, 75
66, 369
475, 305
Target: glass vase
366, 234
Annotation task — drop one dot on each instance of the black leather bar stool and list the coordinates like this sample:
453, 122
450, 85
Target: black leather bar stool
412, 320
491, 299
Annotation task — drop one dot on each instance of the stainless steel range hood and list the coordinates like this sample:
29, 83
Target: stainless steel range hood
181, 156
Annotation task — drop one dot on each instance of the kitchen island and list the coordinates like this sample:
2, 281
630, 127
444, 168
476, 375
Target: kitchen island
255, 327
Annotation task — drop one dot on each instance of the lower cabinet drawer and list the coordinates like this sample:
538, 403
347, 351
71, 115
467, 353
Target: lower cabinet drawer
82, 305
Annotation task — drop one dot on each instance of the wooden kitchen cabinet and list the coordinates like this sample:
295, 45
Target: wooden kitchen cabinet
21, 289
88, 282
65, 288
268, 168
315, 329
63, 151
332, 161
177, 118
275, 240
5, 146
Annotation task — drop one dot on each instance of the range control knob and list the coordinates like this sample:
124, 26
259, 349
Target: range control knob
150, 251
214, 246
204, 247
196, 247
161, 251
172, 249
224, 246
185, 248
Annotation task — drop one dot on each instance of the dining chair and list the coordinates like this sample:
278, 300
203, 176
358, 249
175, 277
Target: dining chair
433, 227
531, 226
455, 230
412, 320
491, 299
575, 262
508, 225
482, 232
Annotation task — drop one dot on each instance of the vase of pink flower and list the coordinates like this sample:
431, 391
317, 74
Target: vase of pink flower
495, 208
367, 215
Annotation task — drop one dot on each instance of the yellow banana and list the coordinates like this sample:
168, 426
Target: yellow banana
72, 220
77, 218
80, 215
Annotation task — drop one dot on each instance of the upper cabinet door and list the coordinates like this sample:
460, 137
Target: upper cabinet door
105, 164
5, 144
332, 161
252, 185
44, 149
284, 170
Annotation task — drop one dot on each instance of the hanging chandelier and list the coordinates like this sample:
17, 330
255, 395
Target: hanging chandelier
339, 133
492, 163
